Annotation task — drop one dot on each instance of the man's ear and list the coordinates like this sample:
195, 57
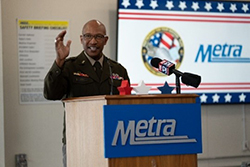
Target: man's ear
106, 40
81, 39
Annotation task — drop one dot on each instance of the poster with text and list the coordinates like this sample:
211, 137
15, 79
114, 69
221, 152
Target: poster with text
36, 53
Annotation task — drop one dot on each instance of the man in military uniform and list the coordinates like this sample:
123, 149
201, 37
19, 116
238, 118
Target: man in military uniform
90, 73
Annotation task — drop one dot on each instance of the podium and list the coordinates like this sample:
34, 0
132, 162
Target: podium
85, 132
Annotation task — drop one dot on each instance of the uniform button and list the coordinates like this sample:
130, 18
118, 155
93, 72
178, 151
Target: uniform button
57, 72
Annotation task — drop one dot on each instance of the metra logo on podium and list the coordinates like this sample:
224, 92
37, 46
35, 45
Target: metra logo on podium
153, 131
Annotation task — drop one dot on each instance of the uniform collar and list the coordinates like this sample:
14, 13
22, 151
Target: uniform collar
92, 61
85, 61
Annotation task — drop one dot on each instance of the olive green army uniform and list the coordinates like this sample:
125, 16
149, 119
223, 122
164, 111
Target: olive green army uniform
77, 78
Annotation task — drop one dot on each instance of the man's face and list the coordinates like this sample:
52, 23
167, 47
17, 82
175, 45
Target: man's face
93, 39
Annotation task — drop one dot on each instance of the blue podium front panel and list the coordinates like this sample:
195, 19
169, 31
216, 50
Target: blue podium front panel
152, 129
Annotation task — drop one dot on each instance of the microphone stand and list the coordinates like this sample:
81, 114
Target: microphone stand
177, 80
177, 84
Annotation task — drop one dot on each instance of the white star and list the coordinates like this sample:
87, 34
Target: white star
125, 3
182, 5
228, 98
220, 7
245, 7
195, 6
208, 6
242, 97
203, 98
169, 5
139, 3
141, 88
153, 4
216, 98
233, 7
156, 42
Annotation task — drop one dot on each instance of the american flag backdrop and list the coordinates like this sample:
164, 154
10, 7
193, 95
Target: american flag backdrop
213, 35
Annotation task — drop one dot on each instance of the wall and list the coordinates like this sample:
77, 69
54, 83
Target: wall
224, 129
2, 161
36, 129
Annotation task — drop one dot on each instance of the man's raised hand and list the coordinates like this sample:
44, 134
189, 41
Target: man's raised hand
62, 50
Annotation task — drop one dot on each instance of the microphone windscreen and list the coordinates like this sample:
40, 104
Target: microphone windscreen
155, 62
191, 79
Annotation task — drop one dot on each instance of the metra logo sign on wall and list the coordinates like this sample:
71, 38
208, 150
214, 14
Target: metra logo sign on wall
155, 129
209, 38
221, 54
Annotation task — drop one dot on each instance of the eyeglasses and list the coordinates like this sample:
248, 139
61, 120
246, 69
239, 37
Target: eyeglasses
97, 37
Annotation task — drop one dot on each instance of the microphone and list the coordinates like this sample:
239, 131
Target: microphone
111, 78
167, 67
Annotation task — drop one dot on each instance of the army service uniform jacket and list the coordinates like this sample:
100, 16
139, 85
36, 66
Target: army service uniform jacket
77, 78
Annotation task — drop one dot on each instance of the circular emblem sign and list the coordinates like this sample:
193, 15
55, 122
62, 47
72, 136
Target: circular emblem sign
163, 43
